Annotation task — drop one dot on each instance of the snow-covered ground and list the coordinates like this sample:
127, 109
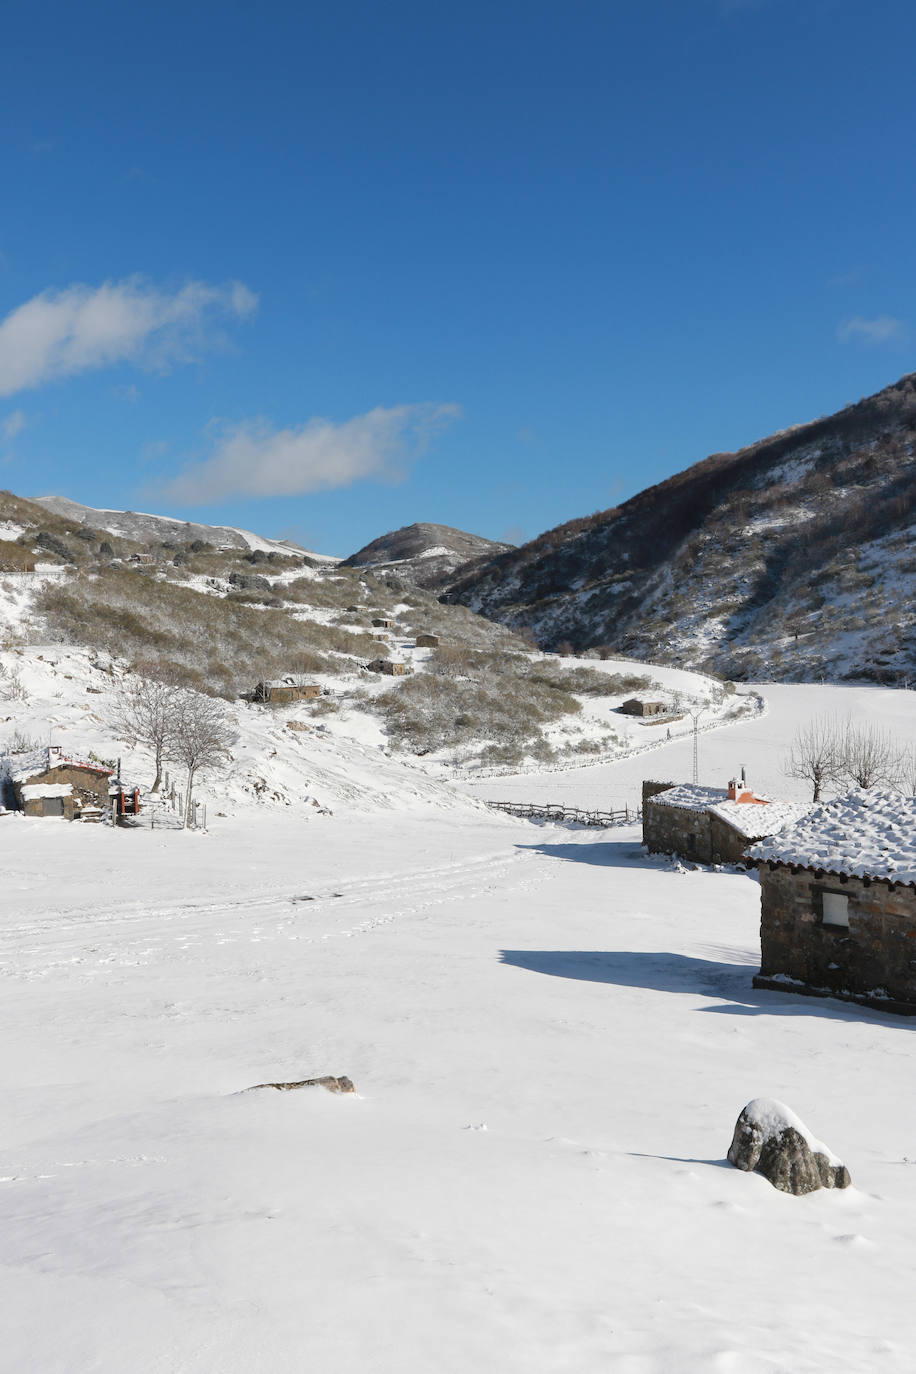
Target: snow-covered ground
551, 1037
759, 744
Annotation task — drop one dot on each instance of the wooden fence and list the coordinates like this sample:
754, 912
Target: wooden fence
550, 811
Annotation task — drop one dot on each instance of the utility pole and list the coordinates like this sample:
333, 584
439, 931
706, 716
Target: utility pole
695, 717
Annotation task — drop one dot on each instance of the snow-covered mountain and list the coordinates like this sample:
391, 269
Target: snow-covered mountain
791, 559
142, 528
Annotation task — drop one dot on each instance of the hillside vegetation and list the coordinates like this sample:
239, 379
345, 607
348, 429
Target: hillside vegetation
791, 559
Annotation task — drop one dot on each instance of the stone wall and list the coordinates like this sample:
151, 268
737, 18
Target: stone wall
727, 844
63, 806
873, 961
675, 830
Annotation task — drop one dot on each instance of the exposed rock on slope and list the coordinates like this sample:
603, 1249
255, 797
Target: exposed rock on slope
425, 555
793, 558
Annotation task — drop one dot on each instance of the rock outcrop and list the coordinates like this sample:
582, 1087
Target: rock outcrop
333, 1085
771, 1140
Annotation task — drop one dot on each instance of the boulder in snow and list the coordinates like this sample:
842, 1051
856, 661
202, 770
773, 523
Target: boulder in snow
771, 1140
333, 1085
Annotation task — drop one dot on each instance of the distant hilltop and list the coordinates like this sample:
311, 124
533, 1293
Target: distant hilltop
426, 555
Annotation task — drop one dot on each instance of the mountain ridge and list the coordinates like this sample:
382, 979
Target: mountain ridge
716, 566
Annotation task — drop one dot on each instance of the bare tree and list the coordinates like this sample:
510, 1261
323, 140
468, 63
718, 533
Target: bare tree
816, 754
906, 773
200, 738
870, 755
145, 712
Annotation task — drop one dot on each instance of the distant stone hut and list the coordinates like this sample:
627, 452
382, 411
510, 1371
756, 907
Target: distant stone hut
710, 825
380, 623
284, 690
387, 665
838, 902
635, 707
427, 641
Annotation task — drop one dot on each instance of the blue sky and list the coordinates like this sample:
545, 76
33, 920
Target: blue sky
324, 271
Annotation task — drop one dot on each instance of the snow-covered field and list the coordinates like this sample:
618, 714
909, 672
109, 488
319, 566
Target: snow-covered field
758, 744
551, 1038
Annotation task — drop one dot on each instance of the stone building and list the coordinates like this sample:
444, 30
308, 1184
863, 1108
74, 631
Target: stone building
710, 825
427, 641
284, 690
635, 707
380, 623
387, 665
838, 902
48, 783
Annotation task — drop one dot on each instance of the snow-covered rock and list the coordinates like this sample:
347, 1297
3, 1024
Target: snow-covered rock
771, 1140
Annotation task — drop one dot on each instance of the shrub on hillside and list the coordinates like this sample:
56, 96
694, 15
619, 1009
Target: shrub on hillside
211, 642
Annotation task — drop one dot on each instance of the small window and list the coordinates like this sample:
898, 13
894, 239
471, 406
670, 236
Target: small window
836, 909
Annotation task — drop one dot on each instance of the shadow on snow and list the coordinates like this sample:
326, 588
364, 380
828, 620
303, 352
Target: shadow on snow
662, 971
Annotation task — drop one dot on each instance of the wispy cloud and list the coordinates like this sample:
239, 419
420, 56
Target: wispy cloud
881, 329
13, 424
60, 333
255, 459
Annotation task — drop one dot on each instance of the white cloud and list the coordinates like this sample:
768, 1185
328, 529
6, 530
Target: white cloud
879, 330
13, 424
254, 459
59, 333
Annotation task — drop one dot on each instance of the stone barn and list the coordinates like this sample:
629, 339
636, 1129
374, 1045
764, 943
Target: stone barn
710, 825
635, 707
838, 902
49, 783
380, 623
284, 690
387, 665
427, 641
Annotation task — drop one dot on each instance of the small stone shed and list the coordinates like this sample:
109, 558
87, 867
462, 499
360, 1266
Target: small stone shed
284, 690
48, 783
380, 623
387, 665
427, 641
838, 902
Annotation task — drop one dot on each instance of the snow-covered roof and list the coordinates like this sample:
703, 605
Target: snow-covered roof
870, 833
34, 791
691, 797
289, 681
757, 822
